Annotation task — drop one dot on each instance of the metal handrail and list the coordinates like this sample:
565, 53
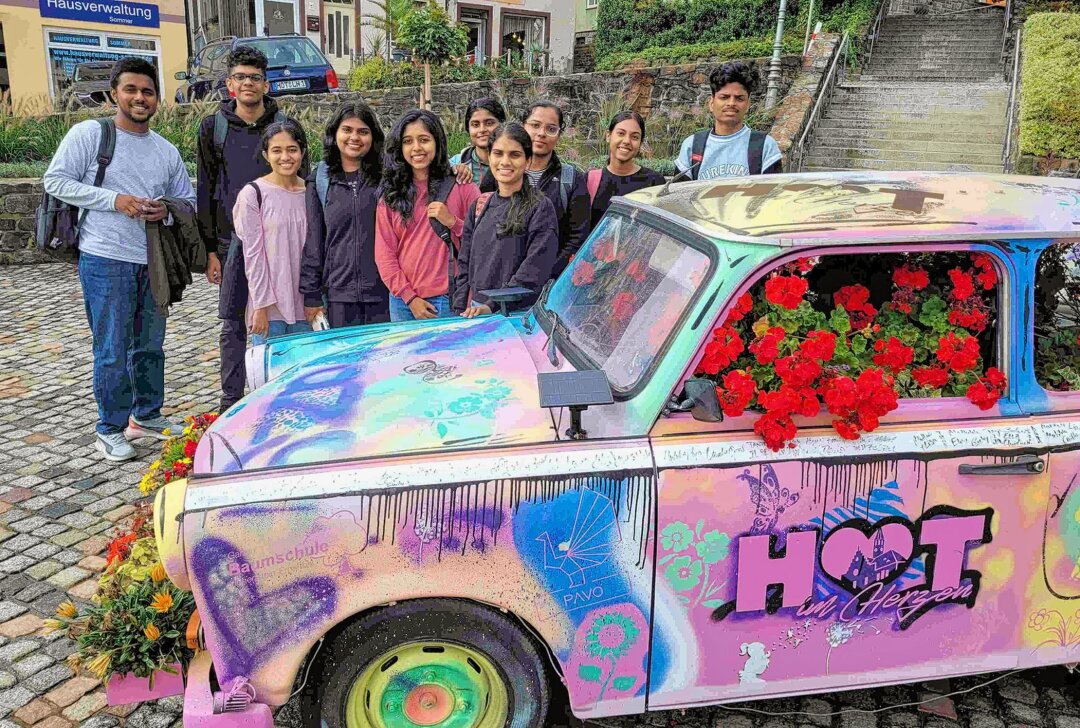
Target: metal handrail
876, 29
1006, 155
1005, 30
826, 91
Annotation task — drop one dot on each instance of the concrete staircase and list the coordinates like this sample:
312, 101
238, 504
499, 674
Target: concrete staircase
933, 97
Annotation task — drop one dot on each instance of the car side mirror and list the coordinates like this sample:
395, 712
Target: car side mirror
181, 76
701, 400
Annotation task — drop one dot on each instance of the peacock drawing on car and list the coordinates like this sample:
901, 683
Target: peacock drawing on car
589, 544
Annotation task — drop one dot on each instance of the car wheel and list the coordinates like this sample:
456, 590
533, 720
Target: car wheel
441, 662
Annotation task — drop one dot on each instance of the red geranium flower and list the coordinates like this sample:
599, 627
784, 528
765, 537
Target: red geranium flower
622, 305
963, 285
797, 371
776, 429
767, 348
845, 429
893, 354
856, 302
721, 351
120, 547
819, 345
990, 387
914, 278
742, 307
584, 274
974, 318
737, 393
959, 355
189, 448
790, 400
933, 377
637, 270
987, 276
839, 395
786, 291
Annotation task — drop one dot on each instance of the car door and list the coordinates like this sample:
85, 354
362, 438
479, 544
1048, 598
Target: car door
833, 563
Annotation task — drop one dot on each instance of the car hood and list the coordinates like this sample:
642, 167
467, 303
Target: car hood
88, 87
383, 390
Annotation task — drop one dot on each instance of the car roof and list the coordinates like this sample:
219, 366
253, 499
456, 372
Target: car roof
870, 207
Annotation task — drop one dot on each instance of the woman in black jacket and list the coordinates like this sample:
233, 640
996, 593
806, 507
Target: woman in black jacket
511, 236
342, 196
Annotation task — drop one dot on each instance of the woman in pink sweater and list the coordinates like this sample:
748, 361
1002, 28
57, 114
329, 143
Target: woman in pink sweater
412, 226
270, 219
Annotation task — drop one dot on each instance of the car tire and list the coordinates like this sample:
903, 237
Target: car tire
474, 651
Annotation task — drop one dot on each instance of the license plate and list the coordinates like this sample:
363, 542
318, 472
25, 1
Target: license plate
291, 85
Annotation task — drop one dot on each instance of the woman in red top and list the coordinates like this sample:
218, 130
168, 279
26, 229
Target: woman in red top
412, 258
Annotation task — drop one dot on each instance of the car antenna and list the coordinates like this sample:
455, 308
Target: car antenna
664, 190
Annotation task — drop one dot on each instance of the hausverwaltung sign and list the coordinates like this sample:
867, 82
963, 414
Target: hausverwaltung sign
116, 12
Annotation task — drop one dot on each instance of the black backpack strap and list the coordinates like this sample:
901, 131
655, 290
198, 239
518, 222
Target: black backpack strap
221, 130
105, 152
697, 151
258, 193
442, 194
756, 150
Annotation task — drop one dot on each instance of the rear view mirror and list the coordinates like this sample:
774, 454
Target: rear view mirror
703, 400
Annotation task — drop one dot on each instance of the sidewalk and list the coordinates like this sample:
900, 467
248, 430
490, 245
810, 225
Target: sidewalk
59, 503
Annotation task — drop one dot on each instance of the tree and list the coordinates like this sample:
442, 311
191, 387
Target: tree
388, 22
433, 38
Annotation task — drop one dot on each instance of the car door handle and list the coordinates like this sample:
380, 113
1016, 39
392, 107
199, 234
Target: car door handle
1023, 465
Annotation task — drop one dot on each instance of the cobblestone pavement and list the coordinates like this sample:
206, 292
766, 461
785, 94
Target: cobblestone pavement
59, 502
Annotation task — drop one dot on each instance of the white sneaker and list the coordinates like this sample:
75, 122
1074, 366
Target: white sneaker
159, 428
115, 447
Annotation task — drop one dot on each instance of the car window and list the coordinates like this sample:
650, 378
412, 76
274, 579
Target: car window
624, 293
217, 58
1057, 317
289, 52
197, 61
847, 337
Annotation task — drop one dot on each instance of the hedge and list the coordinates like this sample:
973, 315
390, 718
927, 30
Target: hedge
718, 52
1050, 86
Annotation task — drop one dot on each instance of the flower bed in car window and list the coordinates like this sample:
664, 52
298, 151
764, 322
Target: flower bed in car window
849, 336
1057, 318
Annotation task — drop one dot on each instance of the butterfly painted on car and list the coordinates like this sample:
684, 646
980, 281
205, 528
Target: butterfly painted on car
770, 499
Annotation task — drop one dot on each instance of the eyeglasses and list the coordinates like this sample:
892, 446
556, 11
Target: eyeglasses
536, 126
253, 77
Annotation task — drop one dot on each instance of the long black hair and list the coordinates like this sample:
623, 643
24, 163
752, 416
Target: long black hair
525, 199
298, 134
620, 118
543, 104
371, 164
489, 104
398, 174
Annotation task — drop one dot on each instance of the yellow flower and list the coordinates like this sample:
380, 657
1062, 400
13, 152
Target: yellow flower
152, 632
74, 661
155, 465
53, 625
100, 664
158, 572
67, 610
162, 602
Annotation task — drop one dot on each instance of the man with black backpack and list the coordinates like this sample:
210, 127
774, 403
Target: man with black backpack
730, 148
228, 159
142, 174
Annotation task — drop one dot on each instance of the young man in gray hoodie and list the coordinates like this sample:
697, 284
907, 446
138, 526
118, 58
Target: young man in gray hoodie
128, 328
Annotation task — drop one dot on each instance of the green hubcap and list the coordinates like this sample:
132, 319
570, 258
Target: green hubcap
428, 684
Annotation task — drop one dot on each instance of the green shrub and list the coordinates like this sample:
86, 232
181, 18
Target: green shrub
1050, 86
696, 52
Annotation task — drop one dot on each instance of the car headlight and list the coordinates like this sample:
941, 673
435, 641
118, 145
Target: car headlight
169, 531
255, 364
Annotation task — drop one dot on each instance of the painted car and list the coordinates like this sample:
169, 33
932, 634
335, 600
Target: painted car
393, 523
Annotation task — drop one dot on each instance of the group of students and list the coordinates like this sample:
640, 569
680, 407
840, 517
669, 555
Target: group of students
388, 227
385, 228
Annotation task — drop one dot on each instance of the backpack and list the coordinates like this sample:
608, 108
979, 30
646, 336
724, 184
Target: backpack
221, 129
322, 182
593, 180
754, 153
234, 293
57, 224
442, 194
566, 182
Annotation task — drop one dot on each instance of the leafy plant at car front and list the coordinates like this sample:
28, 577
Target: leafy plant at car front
785, 351
176, 454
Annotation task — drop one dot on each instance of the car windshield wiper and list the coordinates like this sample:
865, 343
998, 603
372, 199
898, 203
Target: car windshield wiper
556, 325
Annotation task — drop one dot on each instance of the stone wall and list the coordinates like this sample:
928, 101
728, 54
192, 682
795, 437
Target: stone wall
18, 200
794, 109
940, 7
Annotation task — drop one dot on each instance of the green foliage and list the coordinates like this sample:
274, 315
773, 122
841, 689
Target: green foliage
22, 170
1057, 319
695, 52
387, 22
432, 37
1050, 86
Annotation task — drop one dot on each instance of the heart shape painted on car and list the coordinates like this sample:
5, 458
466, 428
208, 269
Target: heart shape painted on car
858, 553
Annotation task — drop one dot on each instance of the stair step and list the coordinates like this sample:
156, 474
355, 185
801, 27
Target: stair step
859, 131
813, 165
894, 155
935, 146
937, 115
926, 76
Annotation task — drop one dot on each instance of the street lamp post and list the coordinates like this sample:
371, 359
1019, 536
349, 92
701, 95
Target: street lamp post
774, 66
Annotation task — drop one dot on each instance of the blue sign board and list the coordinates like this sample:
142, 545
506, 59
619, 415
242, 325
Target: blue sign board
116, 12
73, 39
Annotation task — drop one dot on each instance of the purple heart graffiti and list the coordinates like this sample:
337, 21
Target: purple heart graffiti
247, 622
858, 553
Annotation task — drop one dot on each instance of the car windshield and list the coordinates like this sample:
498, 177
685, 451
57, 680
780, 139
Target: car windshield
93, 73
288, 52
624, 294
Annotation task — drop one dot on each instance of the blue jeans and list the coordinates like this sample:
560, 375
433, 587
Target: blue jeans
129, 334
399, 310
280, 328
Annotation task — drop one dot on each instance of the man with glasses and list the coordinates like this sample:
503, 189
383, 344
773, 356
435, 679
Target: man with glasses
228, 159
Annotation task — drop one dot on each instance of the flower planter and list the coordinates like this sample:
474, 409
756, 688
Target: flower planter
124, 689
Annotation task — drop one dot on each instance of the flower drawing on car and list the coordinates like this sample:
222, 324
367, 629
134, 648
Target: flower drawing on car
692, 553
488, 396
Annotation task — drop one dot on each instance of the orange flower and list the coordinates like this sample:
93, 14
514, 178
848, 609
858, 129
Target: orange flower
152, 632
162, 602
67, 610
158, 572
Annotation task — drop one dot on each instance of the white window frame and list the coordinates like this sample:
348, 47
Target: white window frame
102, 46
260, 18
592, 4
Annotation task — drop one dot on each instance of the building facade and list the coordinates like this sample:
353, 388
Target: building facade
48, 43
584, 34
539, 31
